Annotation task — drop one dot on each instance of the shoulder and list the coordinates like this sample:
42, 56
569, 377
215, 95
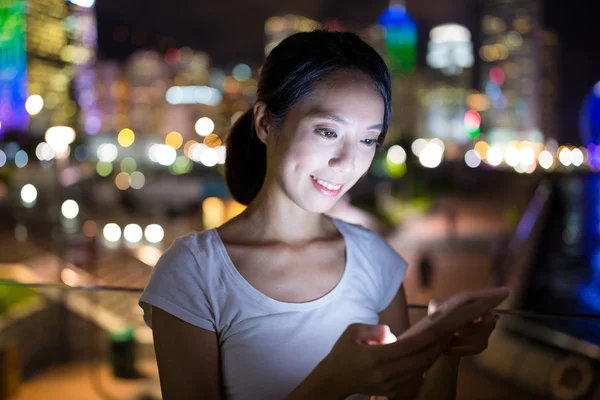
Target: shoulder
193, 253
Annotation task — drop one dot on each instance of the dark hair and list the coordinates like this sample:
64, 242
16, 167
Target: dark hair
288, 76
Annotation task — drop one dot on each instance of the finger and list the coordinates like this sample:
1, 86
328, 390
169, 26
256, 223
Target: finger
365, 333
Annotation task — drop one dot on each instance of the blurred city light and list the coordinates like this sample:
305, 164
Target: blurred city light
174, 139
21, 159
565, 156
28, 193
576, 157
154, 233
204, 126
163, 154
2, 158
34, 104
417, 146
59, 138
396, 154
213, 212
133, 233
494, 156
104, 168
69, 209
126, 137
545, 159
112, 232
511, 156
242, 72
122, 181
209, 157
222, 153
128, 164
472, 158
194, 95
431, 155
137, 180
107, 152
44, 152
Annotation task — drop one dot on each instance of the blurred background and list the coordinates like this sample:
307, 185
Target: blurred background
112, 123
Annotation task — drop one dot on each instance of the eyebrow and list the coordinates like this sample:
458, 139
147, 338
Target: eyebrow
341, 120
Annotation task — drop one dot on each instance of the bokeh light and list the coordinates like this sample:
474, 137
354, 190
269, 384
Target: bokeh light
128, 164
545, 159
28, 193
104, 168
472, 122
34, 104
494, 156
242, 72
112, 232
396, 154
482, 148
21, 159
133, 233
431, 155
576, 157
137, 180
107, 152
564, 156
154, 233
511, 156
209, 157
69, 209
126, 137
213, 212
472, 158
122, 181
417, 146
174, 139
204, 126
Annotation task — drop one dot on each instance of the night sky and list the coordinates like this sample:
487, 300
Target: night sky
231, 31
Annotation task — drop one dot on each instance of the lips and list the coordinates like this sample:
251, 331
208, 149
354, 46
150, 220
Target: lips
326, 188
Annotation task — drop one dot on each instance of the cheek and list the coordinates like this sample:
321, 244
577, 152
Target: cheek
363, 161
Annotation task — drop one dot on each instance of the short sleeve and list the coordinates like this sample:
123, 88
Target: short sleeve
391, 268
177, 286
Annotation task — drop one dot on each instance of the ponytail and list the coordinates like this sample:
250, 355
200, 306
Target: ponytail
246, 162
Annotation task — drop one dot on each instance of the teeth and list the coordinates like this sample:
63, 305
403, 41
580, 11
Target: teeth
328, 185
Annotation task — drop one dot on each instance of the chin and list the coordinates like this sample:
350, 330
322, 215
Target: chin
318, 205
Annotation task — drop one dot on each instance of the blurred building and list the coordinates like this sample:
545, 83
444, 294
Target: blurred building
83, 36
35, 62
398, 46
443, 98
517, 55
278, 28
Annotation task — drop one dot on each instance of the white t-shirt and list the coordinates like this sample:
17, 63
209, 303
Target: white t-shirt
267, 346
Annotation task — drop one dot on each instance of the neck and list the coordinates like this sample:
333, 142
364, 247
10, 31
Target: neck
276, 218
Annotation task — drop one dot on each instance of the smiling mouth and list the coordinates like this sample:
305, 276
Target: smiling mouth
326, 187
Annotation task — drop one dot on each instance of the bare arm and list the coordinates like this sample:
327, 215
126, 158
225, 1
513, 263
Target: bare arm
440, 381
187, 357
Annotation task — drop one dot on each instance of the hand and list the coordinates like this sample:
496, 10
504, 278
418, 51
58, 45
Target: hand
367, 359
471, 339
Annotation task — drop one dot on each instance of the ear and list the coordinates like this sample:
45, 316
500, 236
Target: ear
261, 122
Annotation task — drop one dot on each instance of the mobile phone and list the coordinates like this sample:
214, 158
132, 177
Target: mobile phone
459, 310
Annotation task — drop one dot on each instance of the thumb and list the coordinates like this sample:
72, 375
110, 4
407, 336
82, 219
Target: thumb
434, 305
374, 334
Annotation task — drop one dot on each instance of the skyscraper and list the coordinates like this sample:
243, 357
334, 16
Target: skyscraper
512, 69
35, 60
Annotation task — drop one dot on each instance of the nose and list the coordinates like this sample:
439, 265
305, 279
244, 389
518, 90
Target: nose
343, 159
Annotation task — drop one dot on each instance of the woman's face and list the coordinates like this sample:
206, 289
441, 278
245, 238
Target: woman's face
327, 141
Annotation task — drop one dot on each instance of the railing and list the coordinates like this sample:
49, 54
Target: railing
90, 342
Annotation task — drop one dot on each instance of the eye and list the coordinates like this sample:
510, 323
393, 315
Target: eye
369, 141
327, 134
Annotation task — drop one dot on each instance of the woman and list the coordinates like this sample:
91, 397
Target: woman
282, 301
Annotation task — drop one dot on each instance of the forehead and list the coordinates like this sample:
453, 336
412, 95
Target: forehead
352, 96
